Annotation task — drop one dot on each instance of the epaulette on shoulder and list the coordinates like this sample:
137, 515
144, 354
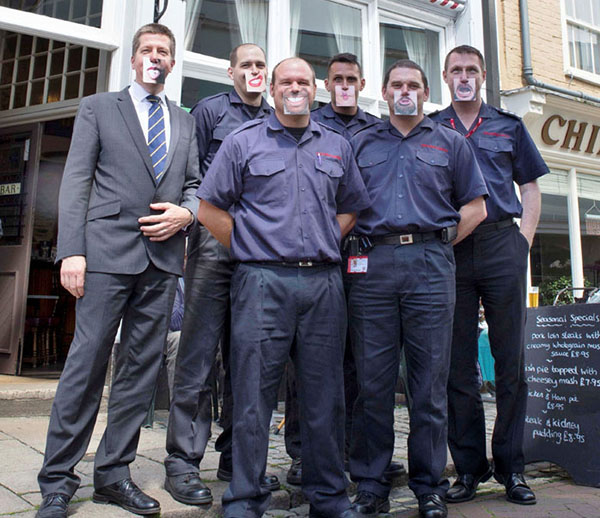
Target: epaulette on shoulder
247, 125
507, 113
329, 128
435, 113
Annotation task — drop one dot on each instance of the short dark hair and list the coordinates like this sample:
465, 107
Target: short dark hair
345, 57
314, 76
153, 28
233, 55
405, 63
465, 49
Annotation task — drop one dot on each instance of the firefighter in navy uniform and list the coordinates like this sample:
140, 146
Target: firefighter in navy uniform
491, 265
427, 193
206, 319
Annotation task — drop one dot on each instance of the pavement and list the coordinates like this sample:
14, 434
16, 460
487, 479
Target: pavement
24, 421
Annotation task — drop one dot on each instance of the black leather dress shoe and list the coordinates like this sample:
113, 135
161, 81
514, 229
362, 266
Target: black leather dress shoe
294, 474
127, 495
465, 486
517, 490
54, 505
269, 482
188, 489
367, 503
432, 506
394, 470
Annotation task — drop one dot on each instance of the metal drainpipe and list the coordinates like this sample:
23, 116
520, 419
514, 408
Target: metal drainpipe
490, 45
527, 67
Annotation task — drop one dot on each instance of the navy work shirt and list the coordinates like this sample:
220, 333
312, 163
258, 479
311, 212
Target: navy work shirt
416, 183
327, 116
505, 152
216, 117
285, 194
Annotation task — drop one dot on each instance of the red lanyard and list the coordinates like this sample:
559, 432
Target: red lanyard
479, 121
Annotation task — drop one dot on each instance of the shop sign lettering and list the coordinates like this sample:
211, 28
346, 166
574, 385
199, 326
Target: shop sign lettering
10, 189
571, 134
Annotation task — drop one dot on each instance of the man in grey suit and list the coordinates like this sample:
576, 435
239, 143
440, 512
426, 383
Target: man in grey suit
127, 193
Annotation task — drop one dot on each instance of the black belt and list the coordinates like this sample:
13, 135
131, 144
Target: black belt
405, 239
292, 264
490, 227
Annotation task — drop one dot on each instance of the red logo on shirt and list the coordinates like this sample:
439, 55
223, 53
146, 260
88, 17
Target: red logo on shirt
319, 154
435, 147
493, 134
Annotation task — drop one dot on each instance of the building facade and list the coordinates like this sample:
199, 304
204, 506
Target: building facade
549, 57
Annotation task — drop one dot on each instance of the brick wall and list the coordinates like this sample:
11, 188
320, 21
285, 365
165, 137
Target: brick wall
546, 46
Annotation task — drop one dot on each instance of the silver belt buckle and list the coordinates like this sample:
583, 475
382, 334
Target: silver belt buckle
304, 263
406, 239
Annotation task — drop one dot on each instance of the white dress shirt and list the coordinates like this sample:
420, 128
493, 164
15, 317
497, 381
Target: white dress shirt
142, 107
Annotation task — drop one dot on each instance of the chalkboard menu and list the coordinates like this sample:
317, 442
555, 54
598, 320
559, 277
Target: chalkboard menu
562, 369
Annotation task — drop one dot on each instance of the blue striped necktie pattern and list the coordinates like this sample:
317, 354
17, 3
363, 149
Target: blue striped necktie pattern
157, 141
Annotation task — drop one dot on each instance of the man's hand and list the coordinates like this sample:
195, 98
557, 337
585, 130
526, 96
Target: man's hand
161, 227
72, 274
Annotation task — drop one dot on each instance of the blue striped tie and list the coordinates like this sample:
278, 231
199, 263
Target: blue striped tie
157, 141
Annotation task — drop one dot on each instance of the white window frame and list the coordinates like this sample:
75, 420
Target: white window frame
569, 69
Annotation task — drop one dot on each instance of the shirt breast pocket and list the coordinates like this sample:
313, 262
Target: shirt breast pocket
499, 150
371, 169
431, 170
266, 182
330, 173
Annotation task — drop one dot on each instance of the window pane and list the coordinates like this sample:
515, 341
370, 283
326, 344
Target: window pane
23, 69
72, 10
41, 45
418, 45
193, 90
26, 44
582, 10
37, 93
92, 57
321, 29
58, 59
10, 46
74, 59
54, 86
569, 7
588, 192
7, 72
4, 98
39, 67
72, 88
215, 27
89, 85
20, 96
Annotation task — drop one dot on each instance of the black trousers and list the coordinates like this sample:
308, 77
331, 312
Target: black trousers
491, 266
404, 301
206, 323
144, 302
271, 307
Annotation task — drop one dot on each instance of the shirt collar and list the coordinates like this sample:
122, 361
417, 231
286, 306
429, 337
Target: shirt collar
234, 98
274, 124
485, 112
330, 113
139, 93
426, 123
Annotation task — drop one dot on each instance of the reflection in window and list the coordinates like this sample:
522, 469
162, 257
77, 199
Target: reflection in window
418, 45
588, 192
215, 27
195, 89
551, 253
323, 28
86, 12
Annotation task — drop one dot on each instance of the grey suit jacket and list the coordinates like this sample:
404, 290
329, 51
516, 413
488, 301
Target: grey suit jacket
109, 183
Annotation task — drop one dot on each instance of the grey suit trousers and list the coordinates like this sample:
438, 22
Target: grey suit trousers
144, 302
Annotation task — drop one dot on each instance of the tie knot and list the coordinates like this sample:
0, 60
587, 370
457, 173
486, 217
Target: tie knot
153, 98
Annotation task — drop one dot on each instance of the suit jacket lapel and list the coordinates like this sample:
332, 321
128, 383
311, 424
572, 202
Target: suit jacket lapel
125, 105
174, 117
